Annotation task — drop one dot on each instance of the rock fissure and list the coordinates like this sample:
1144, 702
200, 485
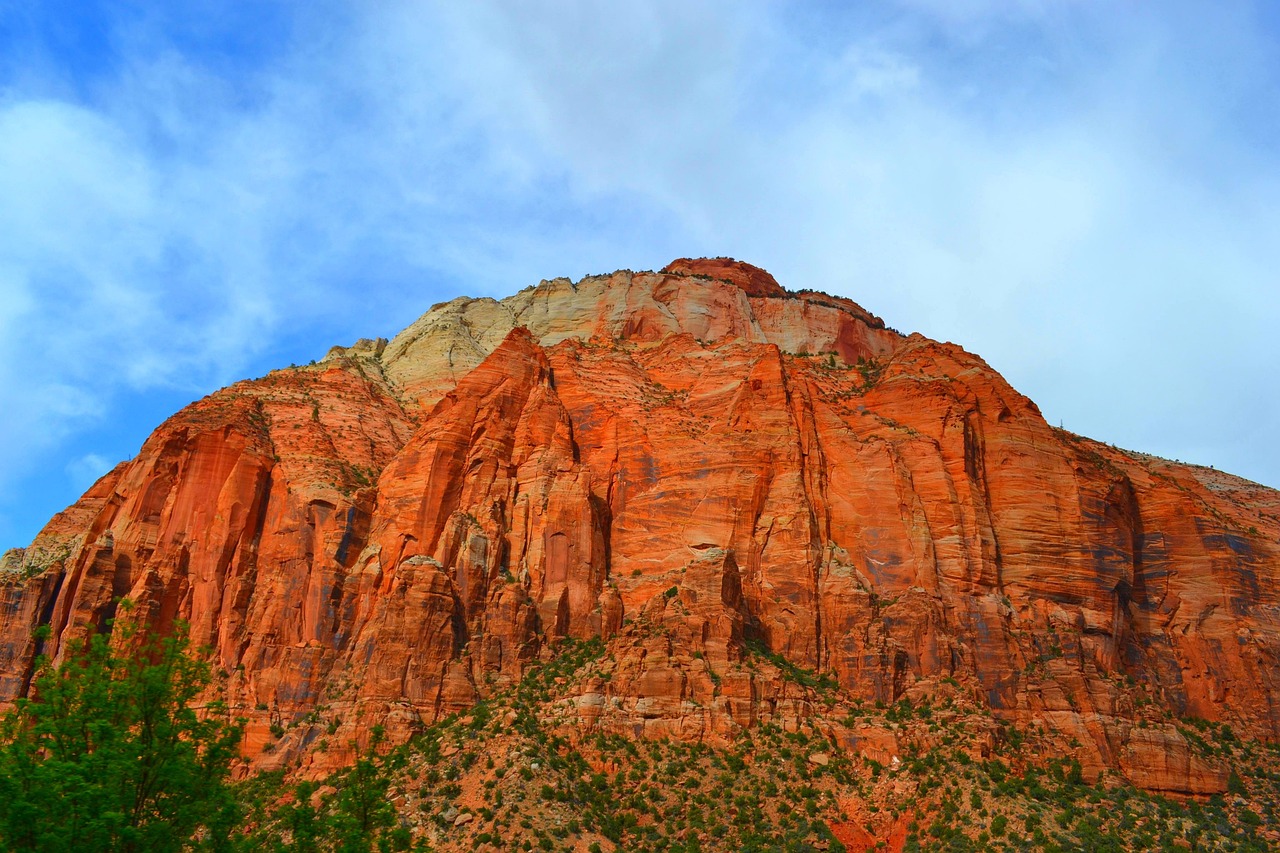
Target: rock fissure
700, 468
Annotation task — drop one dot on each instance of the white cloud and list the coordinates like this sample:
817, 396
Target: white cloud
1089, 221
85, 470
1063, 189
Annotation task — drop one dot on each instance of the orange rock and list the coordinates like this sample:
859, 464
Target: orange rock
679, 462
753, 280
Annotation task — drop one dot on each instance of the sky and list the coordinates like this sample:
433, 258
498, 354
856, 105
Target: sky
191, 193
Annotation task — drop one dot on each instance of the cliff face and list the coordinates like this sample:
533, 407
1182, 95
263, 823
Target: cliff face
690, 464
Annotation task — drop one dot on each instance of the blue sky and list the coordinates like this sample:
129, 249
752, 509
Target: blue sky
1086, 194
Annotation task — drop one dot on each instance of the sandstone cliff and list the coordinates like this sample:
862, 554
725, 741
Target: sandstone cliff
691, 464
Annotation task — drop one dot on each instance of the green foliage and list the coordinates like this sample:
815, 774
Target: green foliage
357, 817
113, 755
77, 757
871, 371
360, 813
791, 672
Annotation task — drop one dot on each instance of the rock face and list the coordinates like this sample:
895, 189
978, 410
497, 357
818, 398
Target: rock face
686, 463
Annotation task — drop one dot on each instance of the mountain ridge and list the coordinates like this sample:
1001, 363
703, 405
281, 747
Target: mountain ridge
688, 464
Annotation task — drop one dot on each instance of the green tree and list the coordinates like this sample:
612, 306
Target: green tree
362, 815
112, 754
302, 822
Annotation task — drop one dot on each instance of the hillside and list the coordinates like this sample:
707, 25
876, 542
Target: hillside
779, 524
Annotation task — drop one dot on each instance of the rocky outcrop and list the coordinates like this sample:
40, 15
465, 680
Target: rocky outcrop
707, 300
751, 279
687, 464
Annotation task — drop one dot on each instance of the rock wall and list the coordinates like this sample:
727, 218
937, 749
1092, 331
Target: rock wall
684, 463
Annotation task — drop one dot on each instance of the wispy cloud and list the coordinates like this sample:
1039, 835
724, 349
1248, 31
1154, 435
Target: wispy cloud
85, 470
1085, 195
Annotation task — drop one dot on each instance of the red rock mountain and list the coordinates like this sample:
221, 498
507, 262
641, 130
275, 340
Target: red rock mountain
399, 530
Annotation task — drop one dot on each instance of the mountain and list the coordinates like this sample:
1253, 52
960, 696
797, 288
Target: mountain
772, 512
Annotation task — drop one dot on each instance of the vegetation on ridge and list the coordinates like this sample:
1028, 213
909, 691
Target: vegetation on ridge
114, 754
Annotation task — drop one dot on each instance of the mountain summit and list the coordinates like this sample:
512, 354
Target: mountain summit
726, 482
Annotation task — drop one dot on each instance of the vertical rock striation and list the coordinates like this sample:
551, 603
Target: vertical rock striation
690, 464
